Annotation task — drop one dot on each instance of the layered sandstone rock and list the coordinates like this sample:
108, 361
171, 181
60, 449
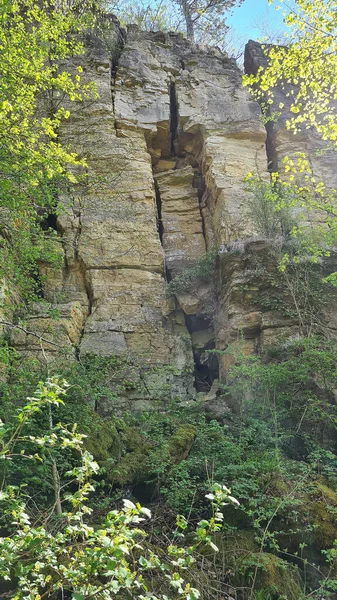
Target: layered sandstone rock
203, 134
168, 144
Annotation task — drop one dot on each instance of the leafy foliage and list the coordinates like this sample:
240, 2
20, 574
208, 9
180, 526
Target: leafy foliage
306, 69
203, 270
276, 453
297, 194
79, 558
268, 210
35, 41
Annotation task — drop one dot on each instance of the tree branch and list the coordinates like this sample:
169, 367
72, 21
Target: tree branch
42, 339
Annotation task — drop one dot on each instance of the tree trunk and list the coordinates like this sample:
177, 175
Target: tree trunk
56, 483
188, 20
55, 475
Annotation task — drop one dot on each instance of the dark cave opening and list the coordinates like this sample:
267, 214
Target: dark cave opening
206, 368
198, 322
49, 222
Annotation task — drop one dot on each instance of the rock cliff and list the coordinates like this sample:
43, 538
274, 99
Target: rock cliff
168, 143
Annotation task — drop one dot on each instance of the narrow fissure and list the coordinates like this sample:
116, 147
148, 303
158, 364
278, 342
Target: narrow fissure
200, 185
78, 232
78, 213
200, 324
253, 60
88, 291
160, 227
272, 160
174, 117
113, 92
115, 57
89, 294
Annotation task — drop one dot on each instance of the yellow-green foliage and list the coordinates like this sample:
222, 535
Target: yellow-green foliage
36, 38
308, 65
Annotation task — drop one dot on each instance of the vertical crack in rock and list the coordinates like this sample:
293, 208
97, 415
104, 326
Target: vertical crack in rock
116, 51
160, 226
77, 264
254, 59
78, 215
199, 184
200, 324
78, 231
272, 159
113, 90
89, 293
174, 117
182, 192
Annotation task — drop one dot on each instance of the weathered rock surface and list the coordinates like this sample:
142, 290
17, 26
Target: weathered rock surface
183, 239
191, 103
168, 144
52, 340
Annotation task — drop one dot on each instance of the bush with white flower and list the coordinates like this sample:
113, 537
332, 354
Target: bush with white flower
82, 560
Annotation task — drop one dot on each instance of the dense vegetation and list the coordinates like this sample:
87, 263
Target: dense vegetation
35, 40
276, 452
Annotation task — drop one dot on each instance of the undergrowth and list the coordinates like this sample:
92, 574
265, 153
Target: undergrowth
277, 451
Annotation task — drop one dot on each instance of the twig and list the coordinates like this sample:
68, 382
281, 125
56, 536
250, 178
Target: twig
42, 339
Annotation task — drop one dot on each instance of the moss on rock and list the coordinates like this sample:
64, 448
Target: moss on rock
104, 441
128, 457
322, 508
275, 578
180, 443
121, 452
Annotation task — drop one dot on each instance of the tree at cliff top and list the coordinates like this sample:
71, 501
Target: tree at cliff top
306, 70
308, 65
35, 40
202, 20
207, 15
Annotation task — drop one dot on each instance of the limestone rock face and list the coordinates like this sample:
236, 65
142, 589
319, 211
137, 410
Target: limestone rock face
203, 134
52, 340
183, 239
168, 143
191, 104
